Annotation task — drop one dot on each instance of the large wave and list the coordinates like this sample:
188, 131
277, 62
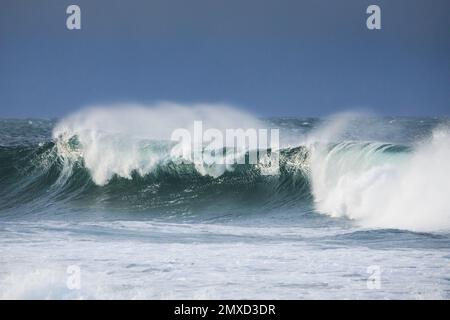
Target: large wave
385, 185
122, 140
120, 158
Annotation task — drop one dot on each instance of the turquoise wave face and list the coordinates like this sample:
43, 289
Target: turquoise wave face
39, 177
43, 175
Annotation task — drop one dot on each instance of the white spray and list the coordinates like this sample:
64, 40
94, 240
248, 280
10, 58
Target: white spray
408, 190
121, 139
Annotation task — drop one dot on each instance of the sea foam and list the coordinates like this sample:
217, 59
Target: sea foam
378, 187
122, 139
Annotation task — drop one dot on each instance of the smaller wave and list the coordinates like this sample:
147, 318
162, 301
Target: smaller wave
383, 185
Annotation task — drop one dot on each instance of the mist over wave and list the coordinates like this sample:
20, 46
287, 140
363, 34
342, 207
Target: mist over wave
344, 166
126, 139
382, 184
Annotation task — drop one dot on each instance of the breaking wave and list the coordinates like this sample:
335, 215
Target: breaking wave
121, 159
383, 185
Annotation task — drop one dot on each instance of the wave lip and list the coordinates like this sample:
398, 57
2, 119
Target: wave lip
129, 139
382, 185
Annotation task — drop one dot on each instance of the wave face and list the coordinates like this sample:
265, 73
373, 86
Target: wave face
376, 172
385, 185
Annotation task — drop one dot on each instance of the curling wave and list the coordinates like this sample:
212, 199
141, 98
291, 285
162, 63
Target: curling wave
388, 186
121, 160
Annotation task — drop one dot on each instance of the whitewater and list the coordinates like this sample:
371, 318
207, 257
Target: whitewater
105, 191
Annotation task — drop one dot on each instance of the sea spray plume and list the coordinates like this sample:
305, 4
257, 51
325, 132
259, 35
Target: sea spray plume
332, 129
384, 185
122, 139
55, 174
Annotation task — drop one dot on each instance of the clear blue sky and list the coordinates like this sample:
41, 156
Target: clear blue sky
274, 58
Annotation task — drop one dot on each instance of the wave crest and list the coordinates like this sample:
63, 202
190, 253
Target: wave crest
126, 139
383, 185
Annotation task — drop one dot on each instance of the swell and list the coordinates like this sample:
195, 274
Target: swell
35, 178
41, 176
117, 165
375, 184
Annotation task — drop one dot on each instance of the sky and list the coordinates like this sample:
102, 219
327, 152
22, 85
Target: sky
272, 58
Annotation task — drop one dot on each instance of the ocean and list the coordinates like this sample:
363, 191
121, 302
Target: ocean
95, 206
